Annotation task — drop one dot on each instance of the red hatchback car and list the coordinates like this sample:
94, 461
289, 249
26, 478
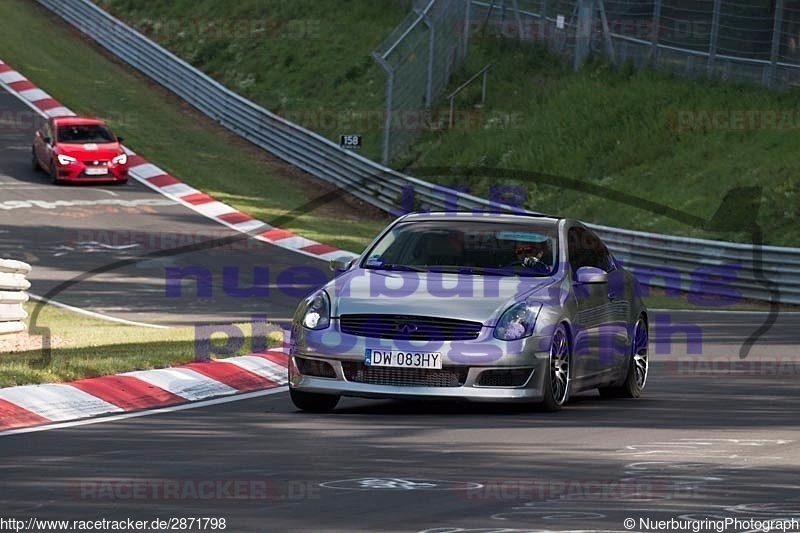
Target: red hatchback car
76, 149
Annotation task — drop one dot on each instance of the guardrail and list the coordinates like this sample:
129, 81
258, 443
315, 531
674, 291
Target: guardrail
660, 260
12, 295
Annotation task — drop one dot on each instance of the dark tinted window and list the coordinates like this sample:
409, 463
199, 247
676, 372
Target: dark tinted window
85, 133
586, 249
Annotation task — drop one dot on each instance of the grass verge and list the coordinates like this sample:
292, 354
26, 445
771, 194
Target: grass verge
86, 347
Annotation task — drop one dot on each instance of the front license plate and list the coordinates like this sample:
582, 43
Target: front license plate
395, 359
96, 171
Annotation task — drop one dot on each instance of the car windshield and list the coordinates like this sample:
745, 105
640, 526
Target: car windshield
468, 246
85, 133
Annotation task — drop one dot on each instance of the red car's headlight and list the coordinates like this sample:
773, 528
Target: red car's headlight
65, 159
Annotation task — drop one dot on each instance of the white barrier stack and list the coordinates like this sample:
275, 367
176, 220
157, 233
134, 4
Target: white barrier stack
12, 295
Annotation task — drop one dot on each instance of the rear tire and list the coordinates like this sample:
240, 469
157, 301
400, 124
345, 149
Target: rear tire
636, 378
312, 401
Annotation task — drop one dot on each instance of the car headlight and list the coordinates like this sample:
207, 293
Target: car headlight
517, 322
120, 159
318, 312
65, 159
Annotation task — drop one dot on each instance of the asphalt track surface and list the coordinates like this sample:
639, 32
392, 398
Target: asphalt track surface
715, 437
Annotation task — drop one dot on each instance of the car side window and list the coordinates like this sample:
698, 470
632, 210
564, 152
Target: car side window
586, 249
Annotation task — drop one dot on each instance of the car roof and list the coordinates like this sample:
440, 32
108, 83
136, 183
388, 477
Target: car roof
77, 121
488, 217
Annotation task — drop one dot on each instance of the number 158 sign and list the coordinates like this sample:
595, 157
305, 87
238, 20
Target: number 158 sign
350, 142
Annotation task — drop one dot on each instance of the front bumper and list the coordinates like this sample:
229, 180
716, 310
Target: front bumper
483, 369
78, 172
515, 372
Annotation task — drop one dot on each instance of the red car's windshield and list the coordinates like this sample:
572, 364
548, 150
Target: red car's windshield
84, 133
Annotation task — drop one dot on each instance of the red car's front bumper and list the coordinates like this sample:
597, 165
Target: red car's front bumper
79, 171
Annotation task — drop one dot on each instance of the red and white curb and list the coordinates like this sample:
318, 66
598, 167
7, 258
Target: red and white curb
31, 405
168, 185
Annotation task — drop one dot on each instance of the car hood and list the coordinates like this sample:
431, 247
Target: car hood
458, 296
80, 151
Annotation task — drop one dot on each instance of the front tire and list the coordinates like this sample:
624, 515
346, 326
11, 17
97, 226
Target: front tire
312, 401
54, 174
636, 378
557, 382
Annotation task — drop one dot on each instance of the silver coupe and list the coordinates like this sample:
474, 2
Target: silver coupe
471, 306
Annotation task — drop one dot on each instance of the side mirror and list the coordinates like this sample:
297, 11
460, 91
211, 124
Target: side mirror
47, 140
342, 263
588, 274
120, 139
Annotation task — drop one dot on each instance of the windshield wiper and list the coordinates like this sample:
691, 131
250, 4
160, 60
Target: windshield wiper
397, 267
514, 270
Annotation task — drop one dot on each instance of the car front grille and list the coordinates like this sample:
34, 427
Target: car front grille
96, 162
406, 327
404, 377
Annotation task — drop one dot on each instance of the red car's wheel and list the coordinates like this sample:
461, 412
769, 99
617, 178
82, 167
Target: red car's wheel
35, 162
54, 173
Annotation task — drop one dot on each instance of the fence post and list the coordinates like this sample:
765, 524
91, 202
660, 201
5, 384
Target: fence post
583, 32
431, 54
467, 27
515, 7
776, 42
609, 43
712, 45
542, 19
387, 120
656, 30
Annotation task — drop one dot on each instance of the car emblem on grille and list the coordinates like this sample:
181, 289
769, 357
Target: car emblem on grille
97, 162
407, 328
